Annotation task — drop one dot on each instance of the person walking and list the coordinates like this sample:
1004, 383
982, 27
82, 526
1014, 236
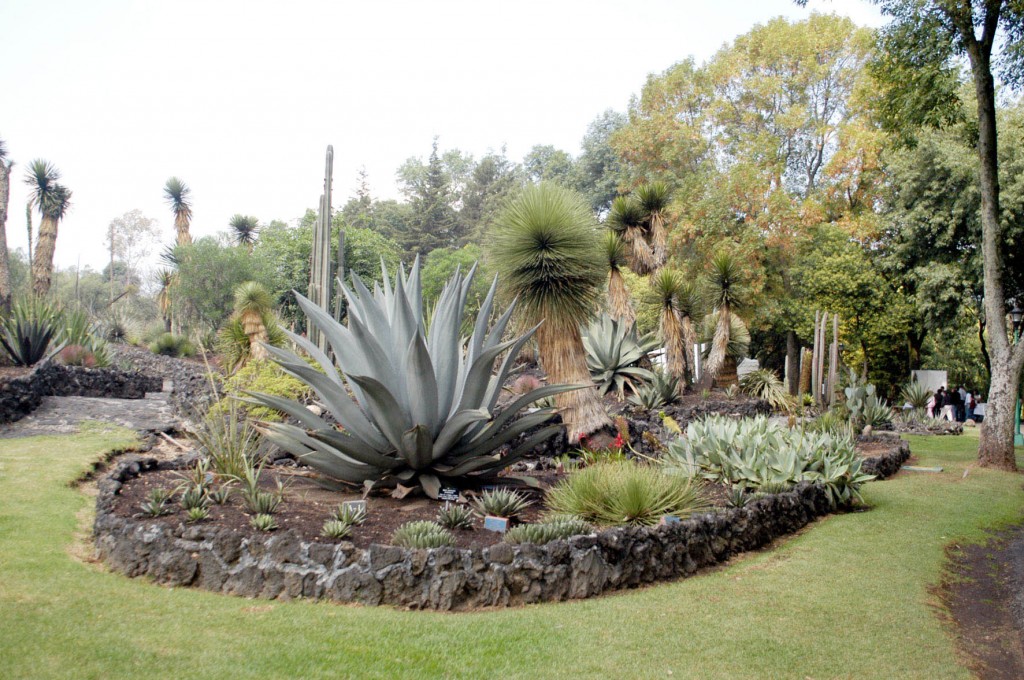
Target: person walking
961, 406
949, 406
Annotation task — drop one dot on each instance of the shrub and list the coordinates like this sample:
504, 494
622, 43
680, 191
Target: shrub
172, 346
29, 330
758, 454
77, 355
77, 330
614, 494
417, 406
545, 532
264, 377
764, 384
194, 496
455, 517
613, 351
501, 503
422, 534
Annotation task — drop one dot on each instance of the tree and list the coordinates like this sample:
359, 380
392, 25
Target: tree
493, 182
5, 193
52, 199
666, 286
547, 251
178, 197
165, 280
434, 221
545, 163
921, 51
244, 230
724, 287
599, 170
252, 305
619, 304
129, 238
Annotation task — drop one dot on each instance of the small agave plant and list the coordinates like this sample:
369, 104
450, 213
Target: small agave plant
416, 402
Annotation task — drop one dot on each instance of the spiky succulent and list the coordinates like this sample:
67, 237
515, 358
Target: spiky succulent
31, 332
613, 351
350, 514
263, 522
501, 503
764, 384
455, 517
545, 532
663, 389
335, 528
916, 394
422, 534
417, 404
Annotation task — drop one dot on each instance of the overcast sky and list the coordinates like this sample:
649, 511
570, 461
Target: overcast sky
240, 99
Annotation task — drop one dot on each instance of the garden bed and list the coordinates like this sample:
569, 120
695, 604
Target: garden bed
883, 454
232, 558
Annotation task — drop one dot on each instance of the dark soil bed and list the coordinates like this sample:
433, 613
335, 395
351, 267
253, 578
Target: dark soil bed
307, 505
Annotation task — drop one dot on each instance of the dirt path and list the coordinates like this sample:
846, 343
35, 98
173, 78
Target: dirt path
984, 591
64, 415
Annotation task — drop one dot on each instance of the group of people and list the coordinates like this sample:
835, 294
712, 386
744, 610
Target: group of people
953, 405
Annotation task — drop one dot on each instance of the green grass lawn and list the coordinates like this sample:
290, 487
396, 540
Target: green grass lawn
847, 598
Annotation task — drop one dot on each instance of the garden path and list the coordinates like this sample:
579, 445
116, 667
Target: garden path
65, 415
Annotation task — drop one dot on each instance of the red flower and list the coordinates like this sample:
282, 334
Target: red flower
619, 441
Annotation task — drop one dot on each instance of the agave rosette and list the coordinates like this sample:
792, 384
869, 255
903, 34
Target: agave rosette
417, 404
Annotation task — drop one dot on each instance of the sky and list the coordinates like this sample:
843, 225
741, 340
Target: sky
241, 99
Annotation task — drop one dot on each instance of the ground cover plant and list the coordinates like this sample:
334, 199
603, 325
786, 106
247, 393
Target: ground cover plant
753, 618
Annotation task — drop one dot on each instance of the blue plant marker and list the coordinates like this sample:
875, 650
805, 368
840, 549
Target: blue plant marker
669, 520
499, 524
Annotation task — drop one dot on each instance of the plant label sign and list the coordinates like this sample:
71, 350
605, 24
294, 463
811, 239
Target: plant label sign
499, 524
669, 520
354, 506
448, 493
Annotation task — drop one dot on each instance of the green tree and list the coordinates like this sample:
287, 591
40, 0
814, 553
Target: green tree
599, 170
130, 238
434, 222
52, 199
545, 163
244, 229
922, 49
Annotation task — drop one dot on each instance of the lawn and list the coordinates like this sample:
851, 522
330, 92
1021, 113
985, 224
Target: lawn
849, 597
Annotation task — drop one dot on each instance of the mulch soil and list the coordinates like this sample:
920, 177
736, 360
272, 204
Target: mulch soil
9, 373
307, 505
875, 449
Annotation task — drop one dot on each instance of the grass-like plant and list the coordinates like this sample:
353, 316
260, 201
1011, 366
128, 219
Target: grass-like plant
454, 516
416, 403
614, 350
172, 346
263, 522
422, 534
614, 494
764, 384
547, 531
549, 254
335, 528
501, 503
228, 440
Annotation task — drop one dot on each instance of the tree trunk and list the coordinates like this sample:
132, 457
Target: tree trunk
182, 226
984, 348
563, 359
727, 375
42, 263
793, 359
5, 265
995, 444
620, 306
719, 344
675, 345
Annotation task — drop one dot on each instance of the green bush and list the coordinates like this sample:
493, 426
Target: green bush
614, 494
172, 346
756, 454
264, 377
550, 530
422, 534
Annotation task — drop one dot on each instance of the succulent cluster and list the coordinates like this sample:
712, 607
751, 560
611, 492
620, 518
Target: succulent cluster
547, 531
422, 534
614, 351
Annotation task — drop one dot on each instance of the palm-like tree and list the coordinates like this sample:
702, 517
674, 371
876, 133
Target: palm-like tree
666, 285
628, 219
177, 194
253, 303
725, 296
653, 198
619, 303
52, 199
244, 229
165, 277
548, 253
688, 306
5, 193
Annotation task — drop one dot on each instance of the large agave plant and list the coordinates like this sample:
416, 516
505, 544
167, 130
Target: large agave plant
416, 404
31, 332
613, 350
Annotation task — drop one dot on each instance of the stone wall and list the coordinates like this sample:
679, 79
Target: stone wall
192, 392
20, 396
887, 464
281, 565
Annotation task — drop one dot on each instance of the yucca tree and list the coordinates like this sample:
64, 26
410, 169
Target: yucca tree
5, 193
725, 295
52, 199
628, 219
654, 199
253, 303
689, 308
165, 277
619, 303
244, 229
666, 285
549, 255
178, 196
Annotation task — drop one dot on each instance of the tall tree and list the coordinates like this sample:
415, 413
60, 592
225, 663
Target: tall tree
52, 199
178, 197
922, 49
130, 238
434, 223
243, 230
5, 264
599, 170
